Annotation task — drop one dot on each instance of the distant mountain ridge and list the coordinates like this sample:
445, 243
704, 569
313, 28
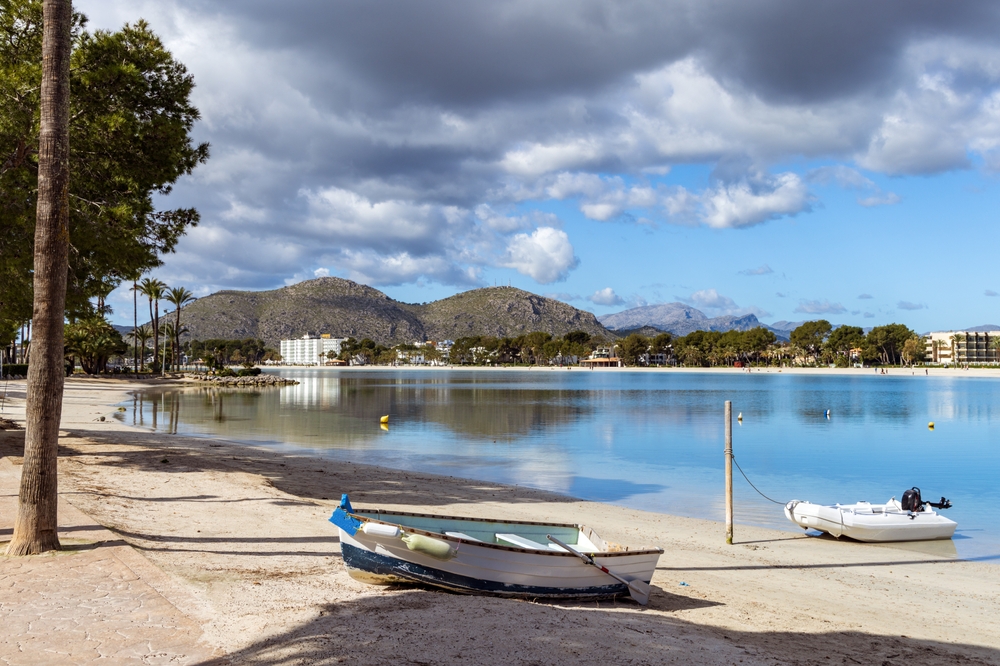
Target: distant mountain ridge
344, 308
680, 319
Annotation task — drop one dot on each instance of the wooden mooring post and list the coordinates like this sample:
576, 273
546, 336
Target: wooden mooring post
729, 472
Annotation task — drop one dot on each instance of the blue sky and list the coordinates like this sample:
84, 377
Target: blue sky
791, 160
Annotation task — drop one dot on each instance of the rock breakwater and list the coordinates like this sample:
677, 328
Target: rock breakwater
256, 381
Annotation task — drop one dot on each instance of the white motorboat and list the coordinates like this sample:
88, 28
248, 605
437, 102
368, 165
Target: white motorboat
865, 521
481, 556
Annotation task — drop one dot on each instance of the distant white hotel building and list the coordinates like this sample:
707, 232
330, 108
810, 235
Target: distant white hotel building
308, 349
961, 347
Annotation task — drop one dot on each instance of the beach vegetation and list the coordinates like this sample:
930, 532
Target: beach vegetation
92, 342
811, 335
130, 119
218, 353
885, 343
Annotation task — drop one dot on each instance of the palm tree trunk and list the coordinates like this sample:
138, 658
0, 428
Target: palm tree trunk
156, 334
177, 338
35, 525
135, 325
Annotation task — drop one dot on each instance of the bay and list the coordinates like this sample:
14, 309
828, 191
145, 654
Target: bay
650, 440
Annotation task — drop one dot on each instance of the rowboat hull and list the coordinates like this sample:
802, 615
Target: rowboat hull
873, 523
475, 566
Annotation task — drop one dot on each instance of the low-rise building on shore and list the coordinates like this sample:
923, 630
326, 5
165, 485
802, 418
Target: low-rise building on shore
963, 347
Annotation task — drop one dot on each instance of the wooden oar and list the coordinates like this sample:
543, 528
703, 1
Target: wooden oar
638, 589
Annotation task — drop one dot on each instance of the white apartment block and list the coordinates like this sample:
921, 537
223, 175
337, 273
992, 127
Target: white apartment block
963, 347
308, 349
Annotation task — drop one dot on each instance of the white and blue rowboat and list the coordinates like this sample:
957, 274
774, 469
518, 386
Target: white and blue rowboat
480, 556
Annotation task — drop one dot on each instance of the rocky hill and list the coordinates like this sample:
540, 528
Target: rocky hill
347, 309
503, 312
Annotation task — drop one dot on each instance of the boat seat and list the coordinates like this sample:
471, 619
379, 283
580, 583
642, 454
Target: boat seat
460, 535
520, 542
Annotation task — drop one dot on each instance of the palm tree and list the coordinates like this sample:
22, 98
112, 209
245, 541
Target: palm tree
955, 339
936, 346
153, 289
36, 521
179, 297
172, 333
135, 321
140, 338
995, 345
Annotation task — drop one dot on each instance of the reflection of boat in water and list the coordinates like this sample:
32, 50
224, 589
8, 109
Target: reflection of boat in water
479, 556
873, 522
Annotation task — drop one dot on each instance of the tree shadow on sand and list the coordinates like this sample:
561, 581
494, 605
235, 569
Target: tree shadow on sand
305, 477
417, 626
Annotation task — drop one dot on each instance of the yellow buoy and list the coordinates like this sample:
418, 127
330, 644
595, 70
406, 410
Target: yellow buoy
384, 419
931, 425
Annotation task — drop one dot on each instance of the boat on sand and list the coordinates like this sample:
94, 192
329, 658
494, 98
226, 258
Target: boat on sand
865, 521
494, 557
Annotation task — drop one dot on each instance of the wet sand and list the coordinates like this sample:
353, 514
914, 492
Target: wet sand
243, 532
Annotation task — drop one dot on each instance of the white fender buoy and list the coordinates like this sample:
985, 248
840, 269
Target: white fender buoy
739, 417
380, 530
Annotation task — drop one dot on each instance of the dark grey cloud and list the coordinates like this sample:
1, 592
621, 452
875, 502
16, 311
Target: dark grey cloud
456, 52
366, 138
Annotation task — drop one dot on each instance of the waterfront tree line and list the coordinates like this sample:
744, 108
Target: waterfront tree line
95, 345
812, 343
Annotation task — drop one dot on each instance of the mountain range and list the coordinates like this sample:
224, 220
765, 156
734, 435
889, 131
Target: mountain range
344, 308
681, 319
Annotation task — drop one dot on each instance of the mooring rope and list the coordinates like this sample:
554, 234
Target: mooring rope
751, 483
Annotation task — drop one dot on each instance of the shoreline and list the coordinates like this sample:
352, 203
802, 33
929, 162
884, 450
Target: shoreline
857, 372
244, 530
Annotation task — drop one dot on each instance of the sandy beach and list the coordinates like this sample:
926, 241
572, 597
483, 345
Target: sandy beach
242, 539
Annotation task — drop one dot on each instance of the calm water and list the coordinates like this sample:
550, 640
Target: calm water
651, 441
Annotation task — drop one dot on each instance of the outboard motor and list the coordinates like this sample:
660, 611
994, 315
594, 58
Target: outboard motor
912, 502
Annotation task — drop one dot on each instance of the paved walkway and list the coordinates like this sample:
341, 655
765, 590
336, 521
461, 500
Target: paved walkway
97, 600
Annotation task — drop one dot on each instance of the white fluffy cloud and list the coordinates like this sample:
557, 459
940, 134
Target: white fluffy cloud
712, 300
546, 255
744, 203
606, 296
716, 304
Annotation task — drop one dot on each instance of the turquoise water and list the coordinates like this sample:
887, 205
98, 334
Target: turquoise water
651, 440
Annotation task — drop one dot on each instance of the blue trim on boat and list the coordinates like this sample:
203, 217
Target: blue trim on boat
341, 516
382, 565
